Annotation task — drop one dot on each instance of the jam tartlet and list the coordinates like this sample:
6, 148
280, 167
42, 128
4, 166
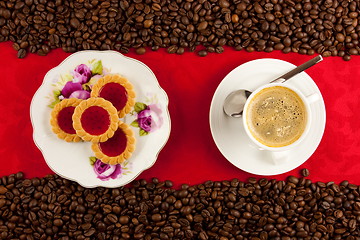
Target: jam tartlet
61, 119
117, 148
95, 120
117, 90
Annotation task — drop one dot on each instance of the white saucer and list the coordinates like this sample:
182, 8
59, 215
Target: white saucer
71, 160
229, 134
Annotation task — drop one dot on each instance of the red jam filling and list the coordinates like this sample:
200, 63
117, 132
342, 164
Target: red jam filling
114, 93
64, 119
95, 120
114, 146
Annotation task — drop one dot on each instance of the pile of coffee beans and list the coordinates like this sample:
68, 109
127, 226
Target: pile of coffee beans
327, 27
55, 208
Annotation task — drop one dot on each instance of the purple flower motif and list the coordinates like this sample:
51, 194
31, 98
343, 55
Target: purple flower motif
150, 118
82, 74
69, 88
106, 171
144, 119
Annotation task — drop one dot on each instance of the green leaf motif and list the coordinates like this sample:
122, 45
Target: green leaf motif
135, 123
65, 78
97, 68
139, 107
142, 132
53, 103
56, 94
92, 160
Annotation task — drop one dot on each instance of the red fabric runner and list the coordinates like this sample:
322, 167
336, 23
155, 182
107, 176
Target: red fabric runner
190, 156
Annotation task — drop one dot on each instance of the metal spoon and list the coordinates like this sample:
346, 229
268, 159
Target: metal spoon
235, 101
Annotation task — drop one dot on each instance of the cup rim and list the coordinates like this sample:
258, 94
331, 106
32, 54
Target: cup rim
308, 120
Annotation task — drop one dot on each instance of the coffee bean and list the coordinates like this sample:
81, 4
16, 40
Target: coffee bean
58, 222
305, 172
75, 23
219, 49
2, 202
124, 219
180, 50
3, 189
346, 58
212, 210
293, 179
156, 217
107, 209
172, 49
202, 53
203, 235
90, 232
140, 51
168, 184
202, 26
263, 26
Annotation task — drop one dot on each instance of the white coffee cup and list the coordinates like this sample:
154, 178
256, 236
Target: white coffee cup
278, 154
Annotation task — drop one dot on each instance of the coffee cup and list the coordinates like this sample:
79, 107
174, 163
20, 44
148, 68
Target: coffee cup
277, 117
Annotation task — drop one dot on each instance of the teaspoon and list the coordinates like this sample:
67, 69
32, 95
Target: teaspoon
234, 103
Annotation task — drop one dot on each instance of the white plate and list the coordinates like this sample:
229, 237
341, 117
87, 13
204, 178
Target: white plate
71, 160
229, 134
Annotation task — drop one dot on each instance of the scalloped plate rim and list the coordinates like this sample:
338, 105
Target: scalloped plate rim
154, 159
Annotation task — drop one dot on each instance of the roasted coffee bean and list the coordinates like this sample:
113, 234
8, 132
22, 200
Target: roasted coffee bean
2, 202
172, 49
202, 53
3, 189
305, 172
168, 183
180, 50
140, 51
124, 219
293, 179
178, 26
257, 209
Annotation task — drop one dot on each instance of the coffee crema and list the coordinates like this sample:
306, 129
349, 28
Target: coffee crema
276, 116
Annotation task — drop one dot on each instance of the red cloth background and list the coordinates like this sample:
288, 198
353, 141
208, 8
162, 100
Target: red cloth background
190, 156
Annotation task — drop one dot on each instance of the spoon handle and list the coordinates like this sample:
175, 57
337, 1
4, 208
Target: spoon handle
298, 69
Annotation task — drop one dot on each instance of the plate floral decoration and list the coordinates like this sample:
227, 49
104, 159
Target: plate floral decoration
148, 116
78, 84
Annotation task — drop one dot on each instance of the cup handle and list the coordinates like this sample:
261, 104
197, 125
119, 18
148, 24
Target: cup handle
313, 98
279, 158
276, 158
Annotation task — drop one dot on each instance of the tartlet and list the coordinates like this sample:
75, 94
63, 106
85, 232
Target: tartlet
95, 120
61, 119
118, 148
117, 90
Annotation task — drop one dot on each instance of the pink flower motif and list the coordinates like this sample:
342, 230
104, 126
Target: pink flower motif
82, 74
80, 94
144, 119
106, 171
150, 119
69, 88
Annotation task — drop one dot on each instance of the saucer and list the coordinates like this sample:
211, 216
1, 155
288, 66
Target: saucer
229, 133
73, 160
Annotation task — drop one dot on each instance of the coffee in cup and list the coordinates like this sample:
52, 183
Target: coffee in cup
275, 116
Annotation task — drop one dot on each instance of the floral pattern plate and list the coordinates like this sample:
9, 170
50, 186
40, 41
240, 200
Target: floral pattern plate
149, 118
